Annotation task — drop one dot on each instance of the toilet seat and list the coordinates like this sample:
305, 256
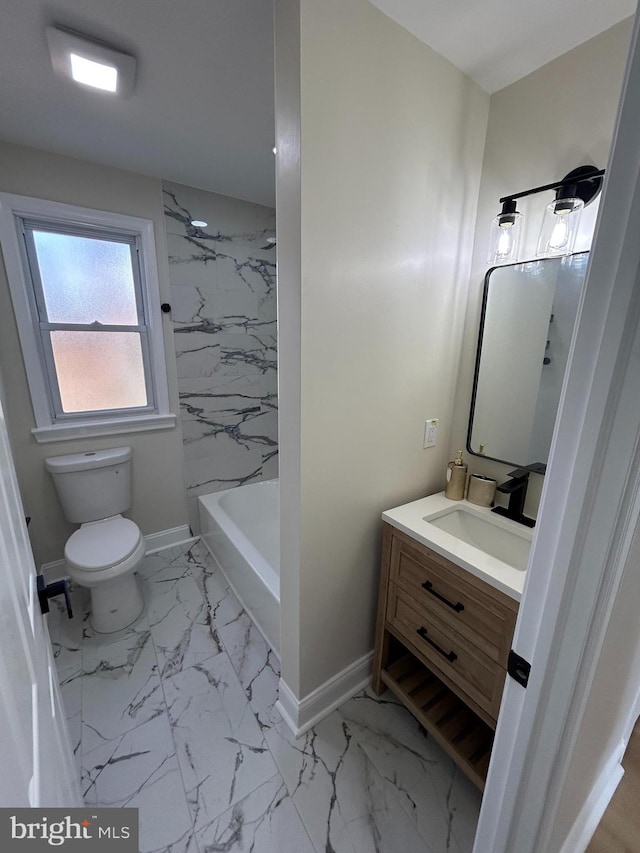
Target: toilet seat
100, 545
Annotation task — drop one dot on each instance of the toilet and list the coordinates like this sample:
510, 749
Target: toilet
94, 489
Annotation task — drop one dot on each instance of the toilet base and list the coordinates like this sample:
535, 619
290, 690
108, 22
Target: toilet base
115, 604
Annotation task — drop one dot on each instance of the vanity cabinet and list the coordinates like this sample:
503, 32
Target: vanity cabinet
442, 642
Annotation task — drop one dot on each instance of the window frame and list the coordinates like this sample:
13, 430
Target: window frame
18, 214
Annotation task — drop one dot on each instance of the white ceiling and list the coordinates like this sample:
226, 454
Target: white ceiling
496, 42
202, 109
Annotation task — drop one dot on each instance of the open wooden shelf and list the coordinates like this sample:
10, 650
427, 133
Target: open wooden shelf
454, 726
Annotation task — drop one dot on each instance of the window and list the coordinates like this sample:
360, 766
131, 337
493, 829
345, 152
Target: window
85, 293
91, 319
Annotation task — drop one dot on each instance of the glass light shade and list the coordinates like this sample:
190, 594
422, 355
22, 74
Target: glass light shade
504, 239
560, 227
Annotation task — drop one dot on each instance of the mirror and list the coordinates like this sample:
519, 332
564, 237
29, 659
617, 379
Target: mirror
528, 314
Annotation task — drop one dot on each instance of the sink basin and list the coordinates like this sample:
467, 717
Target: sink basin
485, 534
493, 548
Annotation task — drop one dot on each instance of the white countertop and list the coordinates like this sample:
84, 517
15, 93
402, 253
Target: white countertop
410, 518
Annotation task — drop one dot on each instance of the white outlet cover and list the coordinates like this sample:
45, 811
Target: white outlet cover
430, 432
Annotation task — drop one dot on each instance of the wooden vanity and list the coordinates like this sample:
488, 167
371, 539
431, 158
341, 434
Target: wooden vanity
442, 641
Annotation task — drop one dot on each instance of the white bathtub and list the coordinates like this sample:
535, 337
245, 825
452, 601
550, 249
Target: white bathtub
241, 528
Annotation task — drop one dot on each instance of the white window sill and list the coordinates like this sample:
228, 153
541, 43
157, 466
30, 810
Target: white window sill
113, 426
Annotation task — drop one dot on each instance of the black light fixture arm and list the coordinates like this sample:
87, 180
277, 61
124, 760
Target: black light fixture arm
568, 179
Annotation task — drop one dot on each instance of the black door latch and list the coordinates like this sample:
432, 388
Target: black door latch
47, 591
518, 668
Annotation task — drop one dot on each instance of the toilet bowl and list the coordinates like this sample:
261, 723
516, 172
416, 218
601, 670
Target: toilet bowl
94, 489
103, 556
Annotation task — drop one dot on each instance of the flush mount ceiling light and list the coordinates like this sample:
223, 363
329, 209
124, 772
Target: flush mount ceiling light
90, 62
199, 223
561, 217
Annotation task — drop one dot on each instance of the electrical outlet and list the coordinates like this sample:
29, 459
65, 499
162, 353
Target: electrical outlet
430, 432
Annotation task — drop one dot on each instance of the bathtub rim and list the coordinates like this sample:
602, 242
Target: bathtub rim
240, 541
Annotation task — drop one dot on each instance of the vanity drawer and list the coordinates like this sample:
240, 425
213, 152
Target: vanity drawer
459, 661
478, 612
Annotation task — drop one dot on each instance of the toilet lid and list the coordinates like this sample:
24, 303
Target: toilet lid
102, 543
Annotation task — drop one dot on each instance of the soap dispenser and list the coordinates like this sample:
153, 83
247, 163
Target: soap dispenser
456, 478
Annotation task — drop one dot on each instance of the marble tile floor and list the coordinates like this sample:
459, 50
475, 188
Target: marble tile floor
176, 716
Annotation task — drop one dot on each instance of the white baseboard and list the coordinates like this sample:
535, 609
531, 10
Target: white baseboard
54, 571
169, 538
302, 715
57, 569
595, 805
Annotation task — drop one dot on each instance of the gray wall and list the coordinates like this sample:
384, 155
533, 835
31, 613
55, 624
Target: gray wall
158, 479
223, 295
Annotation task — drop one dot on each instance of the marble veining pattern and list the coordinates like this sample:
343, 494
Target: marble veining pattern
176, 716
223, 296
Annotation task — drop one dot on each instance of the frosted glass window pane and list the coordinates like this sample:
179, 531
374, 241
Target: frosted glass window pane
99, 370
85, 279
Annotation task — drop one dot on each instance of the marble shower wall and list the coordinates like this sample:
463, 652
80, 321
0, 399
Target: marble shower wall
223, 297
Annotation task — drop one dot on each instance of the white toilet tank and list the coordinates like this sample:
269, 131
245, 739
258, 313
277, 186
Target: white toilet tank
93, 485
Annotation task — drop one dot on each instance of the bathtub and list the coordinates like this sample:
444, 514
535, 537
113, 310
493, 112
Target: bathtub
241, 529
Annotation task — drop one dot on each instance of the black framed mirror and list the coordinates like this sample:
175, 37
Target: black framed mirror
528, 315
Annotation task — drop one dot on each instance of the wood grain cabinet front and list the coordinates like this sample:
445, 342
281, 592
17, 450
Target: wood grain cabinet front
448, 635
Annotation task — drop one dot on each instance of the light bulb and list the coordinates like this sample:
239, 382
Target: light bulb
505, 242
504, 237
558, 238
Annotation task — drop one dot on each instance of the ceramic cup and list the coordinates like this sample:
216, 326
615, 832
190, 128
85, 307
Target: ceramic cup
481, 490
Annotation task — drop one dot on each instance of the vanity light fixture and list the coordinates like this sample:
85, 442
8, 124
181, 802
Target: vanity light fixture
560, 222
90, 62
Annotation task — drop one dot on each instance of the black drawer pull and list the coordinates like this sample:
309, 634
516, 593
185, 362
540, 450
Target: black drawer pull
458, 606
451, 656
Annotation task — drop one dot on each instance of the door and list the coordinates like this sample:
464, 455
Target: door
37, 767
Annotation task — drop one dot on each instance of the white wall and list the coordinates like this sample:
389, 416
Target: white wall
158, 489
559, 117
391, 145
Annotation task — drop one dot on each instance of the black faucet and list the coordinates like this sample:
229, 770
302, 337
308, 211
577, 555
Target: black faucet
516, 488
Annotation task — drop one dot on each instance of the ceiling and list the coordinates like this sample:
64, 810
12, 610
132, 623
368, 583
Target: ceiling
202, 109
202, 112
496, 42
